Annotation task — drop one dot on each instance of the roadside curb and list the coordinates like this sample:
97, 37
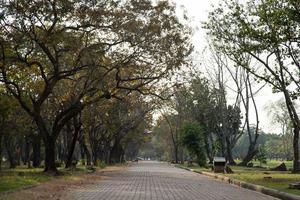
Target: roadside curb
250, 186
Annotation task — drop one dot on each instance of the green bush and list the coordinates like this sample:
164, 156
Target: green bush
101, 164
82, 162
201, 159
192, 139
261, 156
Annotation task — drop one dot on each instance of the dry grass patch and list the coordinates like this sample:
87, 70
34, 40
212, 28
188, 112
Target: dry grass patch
57, 187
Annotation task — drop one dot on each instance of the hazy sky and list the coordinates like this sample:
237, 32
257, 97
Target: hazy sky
198, 12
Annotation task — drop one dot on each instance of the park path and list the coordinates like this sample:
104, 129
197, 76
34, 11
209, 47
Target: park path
160, 181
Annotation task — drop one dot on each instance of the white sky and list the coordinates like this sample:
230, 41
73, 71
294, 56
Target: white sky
198, 10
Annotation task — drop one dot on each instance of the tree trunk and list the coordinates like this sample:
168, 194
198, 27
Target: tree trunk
95, 153
50, 138
10, 154
296, 125
49, 143
173, 136
114, 155
176, 153
296, 150
181, 156
116, 152
252, 151
108, 153
222, 142
229, 152
72, 148
88, 157
36, 151
18, 154
50, 155
27, 151
82, 155
0, 150
86, 151
77, 127
207, 149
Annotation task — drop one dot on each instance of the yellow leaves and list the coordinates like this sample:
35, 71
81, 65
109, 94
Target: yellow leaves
28, 78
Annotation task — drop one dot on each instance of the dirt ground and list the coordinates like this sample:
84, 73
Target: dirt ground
58, 187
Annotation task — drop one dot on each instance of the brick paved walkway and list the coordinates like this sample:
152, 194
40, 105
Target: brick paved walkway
159, 181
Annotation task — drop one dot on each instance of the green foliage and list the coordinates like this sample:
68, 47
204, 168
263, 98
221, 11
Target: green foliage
101, 164
261, 155
208, 106
192, 139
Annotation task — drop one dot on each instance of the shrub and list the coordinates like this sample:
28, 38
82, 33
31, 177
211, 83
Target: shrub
261, 156
192, 139
101, 164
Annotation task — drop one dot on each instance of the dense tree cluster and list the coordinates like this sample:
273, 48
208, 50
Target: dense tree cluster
75, 72
102, 82
203, 104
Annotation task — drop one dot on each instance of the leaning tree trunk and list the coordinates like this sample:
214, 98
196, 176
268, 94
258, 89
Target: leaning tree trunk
172, 132
176, 153
77, 127
296, 167
252, 151
296, 125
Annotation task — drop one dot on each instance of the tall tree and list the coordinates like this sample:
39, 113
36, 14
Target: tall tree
92, 49
267, 31
245, 97
220, 121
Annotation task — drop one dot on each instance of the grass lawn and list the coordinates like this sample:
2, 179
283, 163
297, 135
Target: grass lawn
21, 176
260, 176
279, 181
15, 178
